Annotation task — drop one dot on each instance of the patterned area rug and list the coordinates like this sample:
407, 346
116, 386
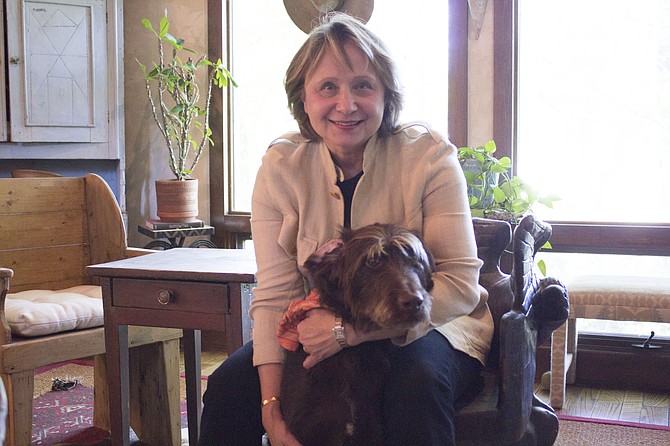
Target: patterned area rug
65, 417
580, 433
659, 427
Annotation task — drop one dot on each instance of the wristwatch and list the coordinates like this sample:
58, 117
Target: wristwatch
338, 332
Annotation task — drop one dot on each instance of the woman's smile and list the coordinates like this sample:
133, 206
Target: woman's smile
346, 124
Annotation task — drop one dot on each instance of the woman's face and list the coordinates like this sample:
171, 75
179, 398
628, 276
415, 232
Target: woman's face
345, 105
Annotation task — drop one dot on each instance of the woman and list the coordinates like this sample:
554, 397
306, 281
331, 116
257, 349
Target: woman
352, 165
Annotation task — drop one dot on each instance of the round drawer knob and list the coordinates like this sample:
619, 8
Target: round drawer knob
164, 297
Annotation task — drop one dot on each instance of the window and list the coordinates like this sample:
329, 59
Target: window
263, 41
594, 87
589, 82
435, 76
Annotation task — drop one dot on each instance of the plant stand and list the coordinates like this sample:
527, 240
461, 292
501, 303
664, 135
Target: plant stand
176, 237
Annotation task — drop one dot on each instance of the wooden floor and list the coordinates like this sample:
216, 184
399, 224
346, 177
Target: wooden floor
608, 404
633, 406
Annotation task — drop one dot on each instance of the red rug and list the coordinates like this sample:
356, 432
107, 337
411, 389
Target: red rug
66, 416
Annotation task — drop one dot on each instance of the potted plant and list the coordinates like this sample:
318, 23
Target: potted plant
494, 193
183, 121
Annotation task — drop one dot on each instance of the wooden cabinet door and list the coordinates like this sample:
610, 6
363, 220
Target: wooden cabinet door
3, 81
57, 71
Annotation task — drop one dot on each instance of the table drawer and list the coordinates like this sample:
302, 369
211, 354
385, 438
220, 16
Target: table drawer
196, 297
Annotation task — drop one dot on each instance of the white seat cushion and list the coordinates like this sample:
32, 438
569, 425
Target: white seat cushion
42, 312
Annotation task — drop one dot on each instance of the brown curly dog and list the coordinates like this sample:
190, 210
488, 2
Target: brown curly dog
378, 277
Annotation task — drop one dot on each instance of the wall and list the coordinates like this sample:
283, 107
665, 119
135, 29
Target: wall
146, 152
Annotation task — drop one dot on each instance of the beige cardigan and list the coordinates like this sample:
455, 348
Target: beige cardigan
411, 178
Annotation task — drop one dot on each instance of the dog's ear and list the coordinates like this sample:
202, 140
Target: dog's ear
427, 262
330, 247
324, 264
430, 258
429, 273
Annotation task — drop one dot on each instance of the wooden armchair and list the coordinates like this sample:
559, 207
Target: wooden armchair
526, 310
50, 230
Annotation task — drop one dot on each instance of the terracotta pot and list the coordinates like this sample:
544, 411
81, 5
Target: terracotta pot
177, 201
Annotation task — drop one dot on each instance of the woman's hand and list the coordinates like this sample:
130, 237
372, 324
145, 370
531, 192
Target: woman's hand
315, 333
276, 428
273, 420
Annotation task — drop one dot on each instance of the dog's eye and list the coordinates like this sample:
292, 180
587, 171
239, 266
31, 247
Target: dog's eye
420, 257
411, 254
373, 262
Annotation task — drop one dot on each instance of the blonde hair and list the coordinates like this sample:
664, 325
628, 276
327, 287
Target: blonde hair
336, 30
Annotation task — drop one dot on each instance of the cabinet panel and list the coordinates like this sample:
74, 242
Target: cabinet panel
58, 70
3, 81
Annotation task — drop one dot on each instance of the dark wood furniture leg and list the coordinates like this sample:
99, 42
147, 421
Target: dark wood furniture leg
192, 368
116, 341
238, 323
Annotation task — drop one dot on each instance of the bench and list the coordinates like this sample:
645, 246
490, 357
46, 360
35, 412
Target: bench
50, 230
615, 298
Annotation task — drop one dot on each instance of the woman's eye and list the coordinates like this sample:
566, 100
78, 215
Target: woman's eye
328, 89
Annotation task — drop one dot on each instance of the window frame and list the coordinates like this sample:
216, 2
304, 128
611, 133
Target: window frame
575, 236
233, 228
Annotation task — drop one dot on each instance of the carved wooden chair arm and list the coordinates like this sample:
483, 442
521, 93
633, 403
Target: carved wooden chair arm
540, 306
549, 308
517, 373
529, 236
521, 333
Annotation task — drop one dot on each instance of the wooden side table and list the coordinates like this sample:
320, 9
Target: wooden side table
188, 288
176, 237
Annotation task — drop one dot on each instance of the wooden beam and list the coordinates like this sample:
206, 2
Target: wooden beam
458, 72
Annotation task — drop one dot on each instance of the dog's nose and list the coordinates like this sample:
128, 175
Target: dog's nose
411, 302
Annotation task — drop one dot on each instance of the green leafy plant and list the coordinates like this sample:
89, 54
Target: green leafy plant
492, 191
174, 96
495, 193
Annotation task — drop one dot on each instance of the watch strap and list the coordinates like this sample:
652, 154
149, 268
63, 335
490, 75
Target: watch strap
338, 332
